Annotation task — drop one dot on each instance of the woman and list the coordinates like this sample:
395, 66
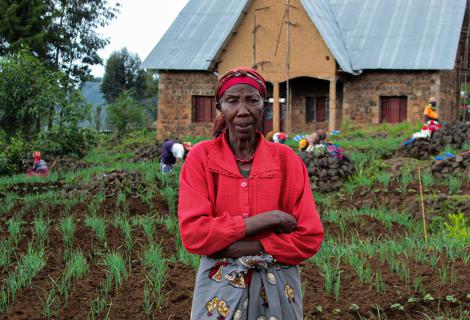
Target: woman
171, 152
246, 207
39, 167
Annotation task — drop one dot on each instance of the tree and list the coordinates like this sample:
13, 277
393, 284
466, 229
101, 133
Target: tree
61, 32
25, 24
122, 73
28, 89
125, 112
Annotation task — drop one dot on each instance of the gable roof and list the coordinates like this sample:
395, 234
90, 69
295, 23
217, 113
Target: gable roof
390, 34
361, 34
195, 38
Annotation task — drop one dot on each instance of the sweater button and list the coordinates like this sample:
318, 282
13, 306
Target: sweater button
245, 215
244, 184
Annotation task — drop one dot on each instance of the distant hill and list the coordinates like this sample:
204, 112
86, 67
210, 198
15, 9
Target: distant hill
91, 91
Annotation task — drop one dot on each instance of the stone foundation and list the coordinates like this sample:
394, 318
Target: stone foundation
175, 90
361, 95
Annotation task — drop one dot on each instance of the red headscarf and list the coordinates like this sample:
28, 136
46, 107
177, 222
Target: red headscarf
241, 75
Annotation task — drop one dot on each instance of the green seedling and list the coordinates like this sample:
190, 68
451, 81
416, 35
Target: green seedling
455, 184
124, 225
40, 230
397, 306
148, 225
451, 299
354, 307
120, 199
99, 227
116, 268
67, 229
384, 179
412, 300
171, 195
428, 297
318, 309
14, 228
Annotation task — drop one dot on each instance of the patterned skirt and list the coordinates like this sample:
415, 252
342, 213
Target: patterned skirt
248, 288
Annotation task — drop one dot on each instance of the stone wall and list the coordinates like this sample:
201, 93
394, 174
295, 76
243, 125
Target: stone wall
448, 95
301, 89
175, 90
362, 93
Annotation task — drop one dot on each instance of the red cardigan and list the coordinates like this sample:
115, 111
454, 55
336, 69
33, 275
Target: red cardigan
214, 198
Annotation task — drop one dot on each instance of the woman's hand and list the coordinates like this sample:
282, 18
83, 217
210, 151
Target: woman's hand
239, 249
271, 221
286, 222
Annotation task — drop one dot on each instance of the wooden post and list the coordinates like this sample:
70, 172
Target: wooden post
276, 109
332, 102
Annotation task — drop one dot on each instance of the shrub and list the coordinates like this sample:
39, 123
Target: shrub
12, 160
72, 141
125, 113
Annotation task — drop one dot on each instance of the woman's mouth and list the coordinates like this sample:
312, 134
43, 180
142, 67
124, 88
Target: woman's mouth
243, 126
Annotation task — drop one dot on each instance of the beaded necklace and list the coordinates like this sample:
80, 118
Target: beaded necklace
237, 158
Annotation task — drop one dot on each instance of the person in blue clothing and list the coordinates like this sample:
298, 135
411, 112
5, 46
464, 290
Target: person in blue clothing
171, 152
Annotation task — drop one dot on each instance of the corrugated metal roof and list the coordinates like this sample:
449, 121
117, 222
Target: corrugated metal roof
321, 14
391, 34
194, 39
361, 34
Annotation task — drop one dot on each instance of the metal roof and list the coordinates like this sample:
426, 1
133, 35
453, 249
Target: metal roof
390, 34
361, 34
194, 39
323, 17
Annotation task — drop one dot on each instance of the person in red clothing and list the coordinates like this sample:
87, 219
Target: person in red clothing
246, 206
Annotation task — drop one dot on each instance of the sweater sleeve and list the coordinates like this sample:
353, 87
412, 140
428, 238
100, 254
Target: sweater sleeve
201, 231
303, 243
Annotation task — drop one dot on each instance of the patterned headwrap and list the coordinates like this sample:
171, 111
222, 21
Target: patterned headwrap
241, 75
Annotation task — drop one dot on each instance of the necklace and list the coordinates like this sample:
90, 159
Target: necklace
244, 161
237, 158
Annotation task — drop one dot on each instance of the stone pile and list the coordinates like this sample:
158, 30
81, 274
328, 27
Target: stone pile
460, 164
326, 172
110, 183
453, 134
149, 152
67, 164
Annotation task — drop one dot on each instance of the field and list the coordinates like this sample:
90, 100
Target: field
102, 242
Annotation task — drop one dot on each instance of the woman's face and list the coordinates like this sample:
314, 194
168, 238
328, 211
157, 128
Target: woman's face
242, 109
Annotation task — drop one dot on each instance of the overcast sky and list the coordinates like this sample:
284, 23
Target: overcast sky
139, 26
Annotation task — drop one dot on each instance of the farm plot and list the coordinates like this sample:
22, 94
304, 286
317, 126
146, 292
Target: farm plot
102, 242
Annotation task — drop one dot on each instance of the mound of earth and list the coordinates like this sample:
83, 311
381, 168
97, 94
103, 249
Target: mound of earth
148, 152
111, 183
460, 164
326, 172
453, 134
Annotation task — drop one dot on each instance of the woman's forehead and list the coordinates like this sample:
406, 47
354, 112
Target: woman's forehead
241, 88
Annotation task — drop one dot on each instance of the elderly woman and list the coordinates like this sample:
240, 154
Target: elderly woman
245, 206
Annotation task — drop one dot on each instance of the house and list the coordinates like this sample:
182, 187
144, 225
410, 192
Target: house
325, 60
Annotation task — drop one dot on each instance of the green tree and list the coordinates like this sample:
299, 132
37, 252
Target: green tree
125, 113
122, 73
28, 89
25, 24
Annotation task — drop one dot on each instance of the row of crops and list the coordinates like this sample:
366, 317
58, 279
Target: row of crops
102, 242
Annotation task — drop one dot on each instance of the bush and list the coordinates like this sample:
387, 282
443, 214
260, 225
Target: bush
71, 141
13, 159
125, 113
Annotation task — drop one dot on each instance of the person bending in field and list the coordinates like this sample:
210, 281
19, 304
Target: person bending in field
39, 167
171, 152
246, 207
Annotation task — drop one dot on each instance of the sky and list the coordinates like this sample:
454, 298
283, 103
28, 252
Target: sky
138, 26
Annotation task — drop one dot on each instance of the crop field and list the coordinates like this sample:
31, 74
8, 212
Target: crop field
99, 239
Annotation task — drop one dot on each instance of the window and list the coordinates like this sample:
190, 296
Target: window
393, 109
317, 109
203, 108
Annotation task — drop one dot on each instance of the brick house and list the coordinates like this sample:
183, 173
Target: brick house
324, 60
